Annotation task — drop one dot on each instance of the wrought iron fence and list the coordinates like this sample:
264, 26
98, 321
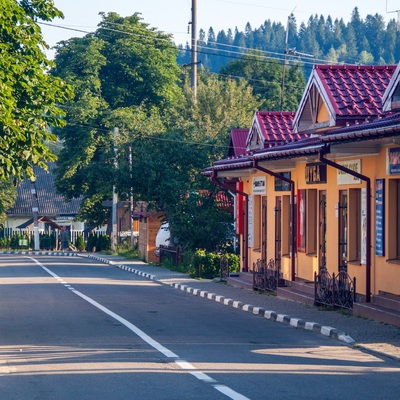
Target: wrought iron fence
265, 276
335, 290
224, 267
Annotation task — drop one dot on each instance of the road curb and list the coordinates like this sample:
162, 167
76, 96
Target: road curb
42, 253
269, 314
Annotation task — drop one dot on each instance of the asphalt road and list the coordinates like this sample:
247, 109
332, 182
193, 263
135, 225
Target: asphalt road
73, 328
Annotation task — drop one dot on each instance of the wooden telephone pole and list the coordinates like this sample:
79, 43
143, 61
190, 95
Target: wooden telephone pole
194, 49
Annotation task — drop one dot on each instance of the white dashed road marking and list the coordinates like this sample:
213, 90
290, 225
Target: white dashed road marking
184, 365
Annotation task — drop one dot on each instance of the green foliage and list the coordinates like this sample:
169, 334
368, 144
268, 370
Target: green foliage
199, 221
207, 265
125, 78
47, 241
18, 241
80, 243
98, 242
5, 242
29, 97
128, 252
91, 243
267, 78
8, 195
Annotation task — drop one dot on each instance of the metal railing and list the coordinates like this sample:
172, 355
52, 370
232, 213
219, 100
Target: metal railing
265, 276
335, 290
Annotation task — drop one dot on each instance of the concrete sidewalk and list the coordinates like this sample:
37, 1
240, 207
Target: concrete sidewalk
369, 335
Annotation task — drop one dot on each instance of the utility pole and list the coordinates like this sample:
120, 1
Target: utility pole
290, 18
398, 15
114, 233
131, 208
35, 211
194, 49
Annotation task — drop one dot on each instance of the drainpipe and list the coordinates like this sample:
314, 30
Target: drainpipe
368, 238
293, 210
232, 188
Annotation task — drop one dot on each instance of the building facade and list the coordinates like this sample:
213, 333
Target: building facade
322, 193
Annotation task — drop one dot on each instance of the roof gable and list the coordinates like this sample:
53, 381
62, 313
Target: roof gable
337, 94
237, 142
391, 97
270, 128
50, 203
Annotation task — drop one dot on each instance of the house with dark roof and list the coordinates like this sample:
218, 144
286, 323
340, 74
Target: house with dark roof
321, 213
53, 210
237, 143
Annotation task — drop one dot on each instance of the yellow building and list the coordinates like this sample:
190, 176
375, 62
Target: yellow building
320, 196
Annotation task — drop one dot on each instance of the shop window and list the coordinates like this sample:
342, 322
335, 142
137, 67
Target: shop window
394, 219
354, 221
311, 225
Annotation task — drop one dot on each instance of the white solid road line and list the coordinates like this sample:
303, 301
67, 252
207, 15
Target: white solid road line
184, 365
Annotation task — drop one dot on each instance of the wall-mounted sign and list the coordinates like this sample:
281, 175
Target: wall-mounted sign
393, 160
281, 185
259, 185
343, 178
380, 217
315, 173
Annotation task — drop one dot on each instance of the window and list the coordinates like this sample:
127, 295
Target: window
257, 222
354, 221
311, 221
343, 228
286, 228
394, 219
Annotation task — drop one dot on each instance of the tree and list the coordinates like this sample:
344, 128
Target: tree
374, 30
126, 78
29, 97
222, 104
265, 77
8, 195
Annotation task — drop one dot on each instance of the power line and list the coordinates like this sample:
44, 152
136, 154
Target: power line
145, 137
208, 52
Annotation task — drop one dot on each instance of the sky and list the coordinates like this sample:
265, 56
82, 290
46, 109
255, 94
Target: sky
172, 16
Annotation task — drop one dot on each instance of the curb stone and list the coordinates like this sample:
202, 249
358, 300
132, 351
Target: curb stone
272, 315
268, 314
42, 253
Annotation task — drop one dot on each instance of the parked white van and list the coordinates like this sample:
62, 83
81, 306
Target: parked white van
162, 237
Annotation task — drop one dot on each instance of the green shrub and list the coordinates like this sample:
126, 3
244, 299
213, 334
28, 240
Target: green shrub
207, 265
91, 243
80, 243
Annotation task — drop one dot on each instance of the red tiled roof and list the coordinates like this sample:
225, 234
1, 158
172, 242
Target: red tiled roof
237, 142
276, 127
355, 90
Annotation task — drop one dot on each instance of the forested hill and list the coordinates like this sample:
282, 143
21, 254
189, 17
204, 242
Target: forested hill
320, 40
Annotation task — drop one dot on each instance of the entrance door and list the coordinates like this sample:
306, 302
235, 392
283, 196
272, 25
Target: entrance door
322, 229
278, 231
342, 256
